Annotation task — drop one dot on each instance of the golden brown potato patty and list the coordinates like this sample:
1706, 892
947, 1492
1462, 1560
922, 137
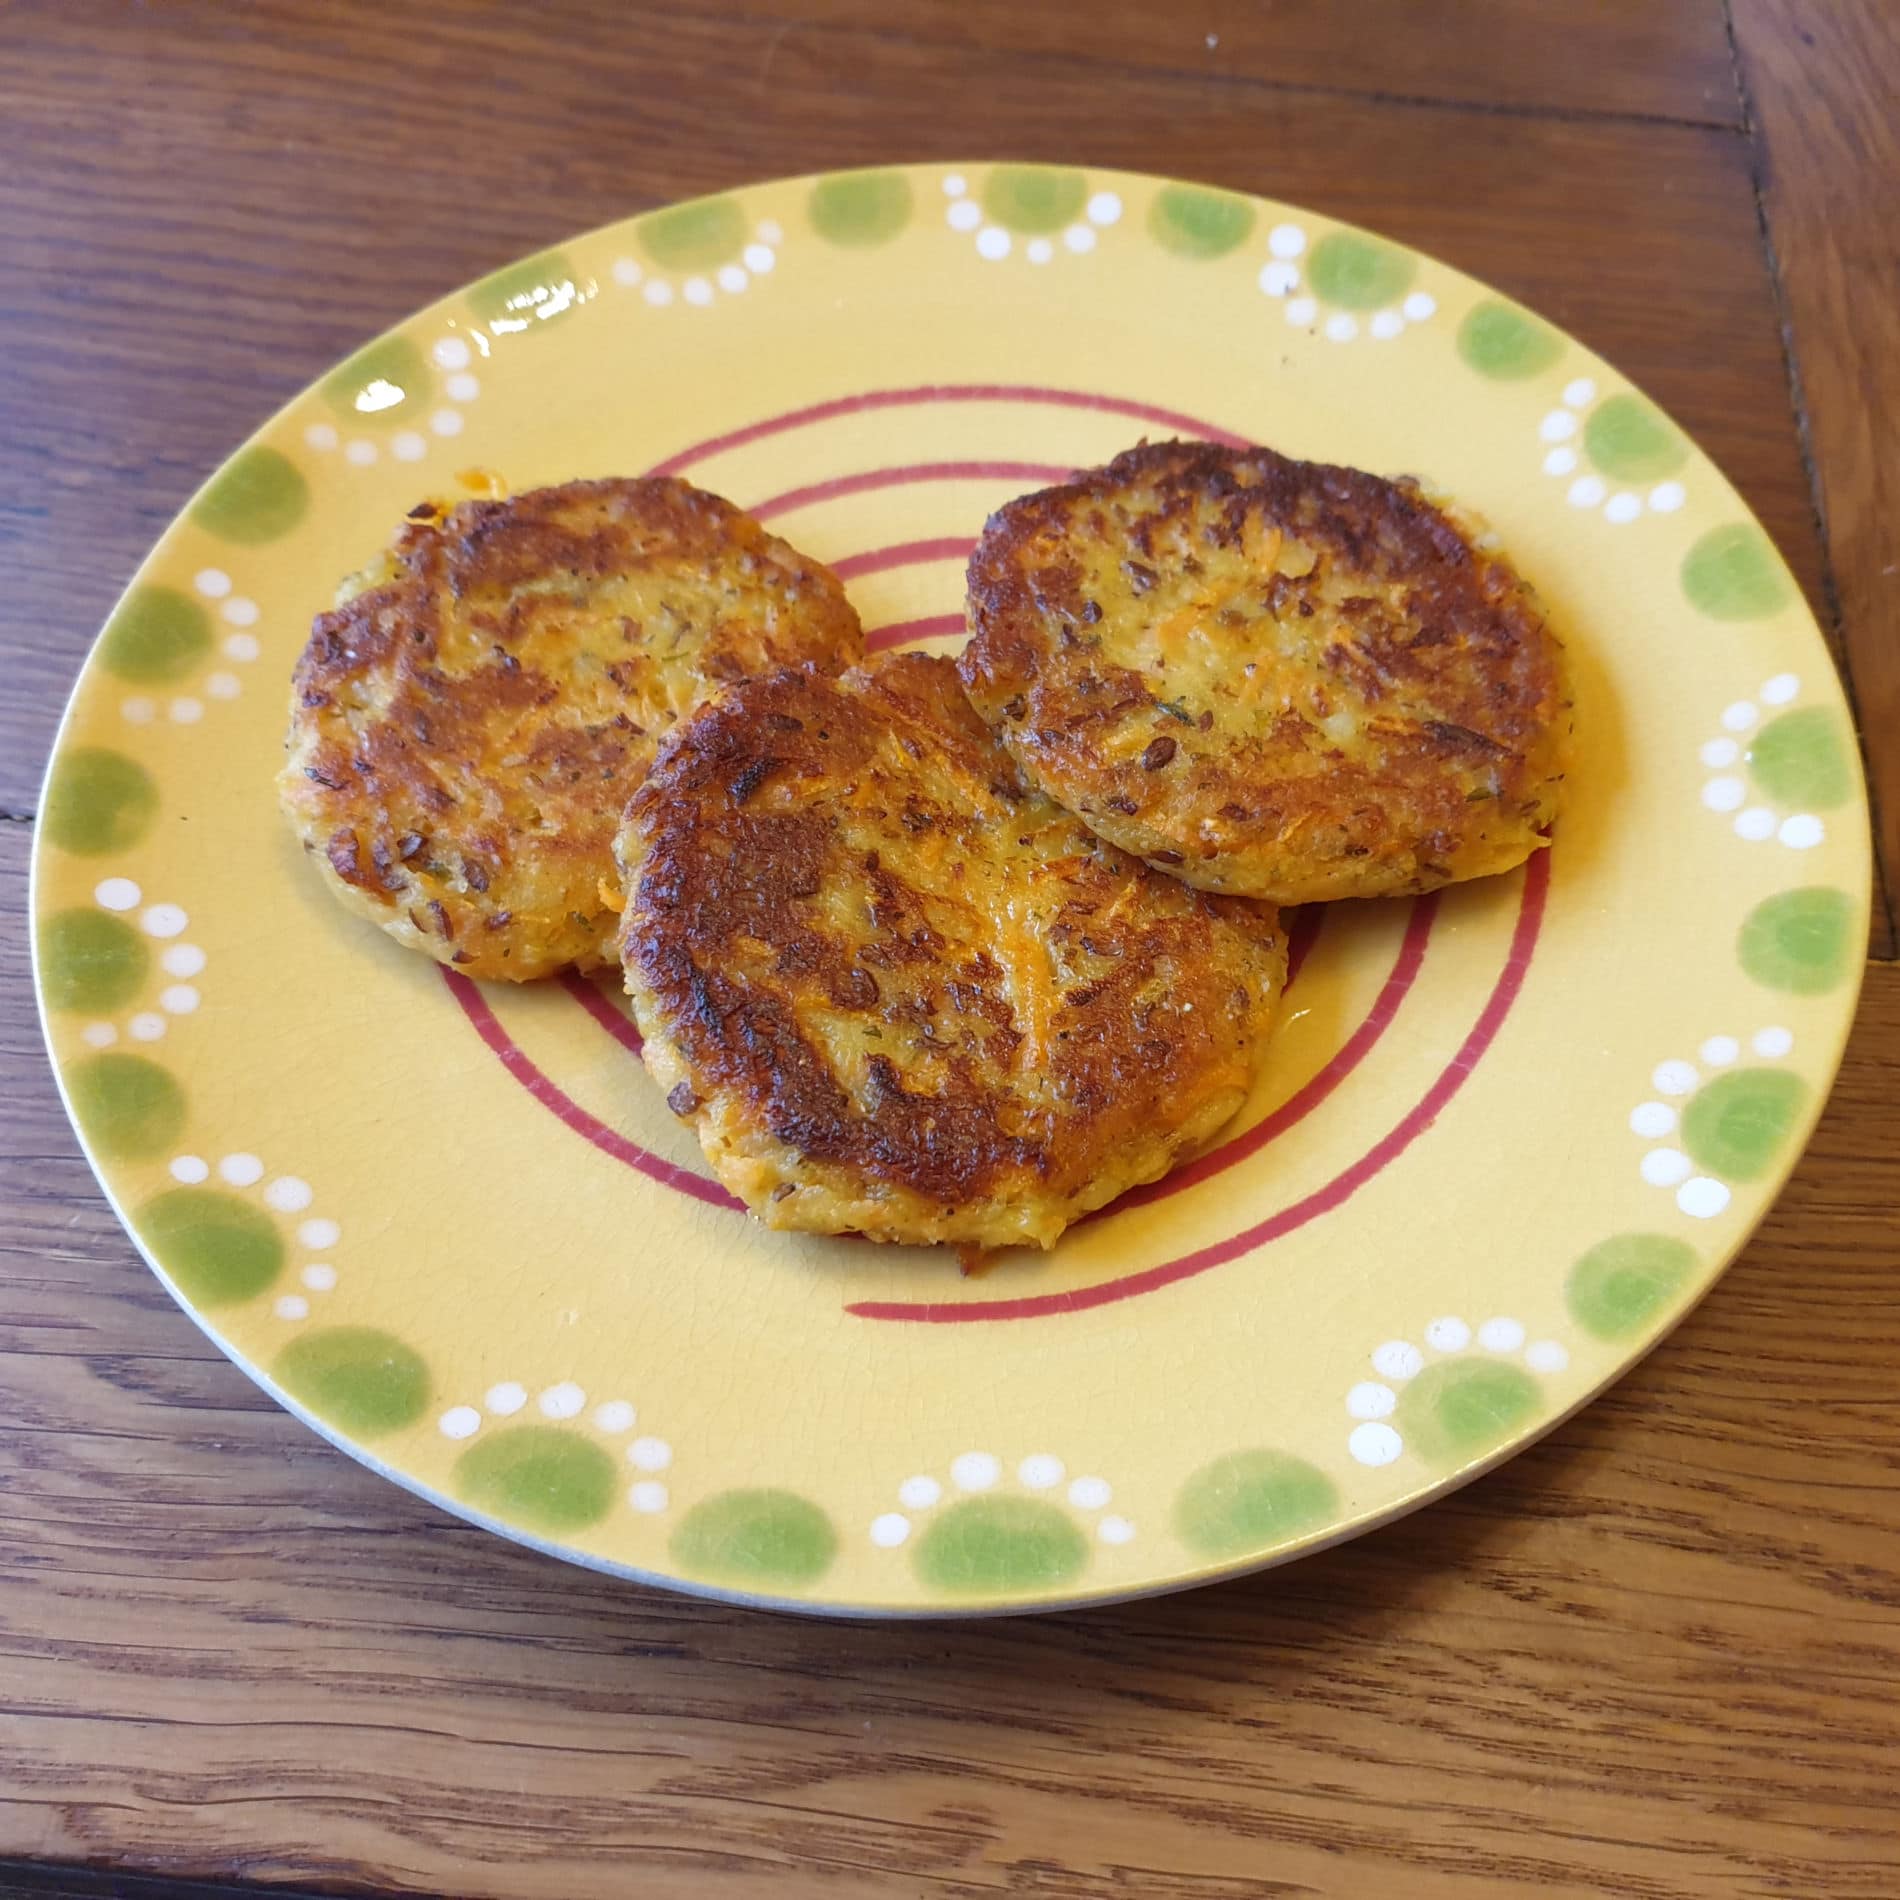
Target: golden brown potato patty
466, 729
900, 993
1275, 678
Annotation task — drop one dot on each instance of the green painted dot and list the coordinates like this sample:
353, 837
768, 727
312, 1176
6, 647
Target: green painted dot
1198, 223
91, 960
255, 497
860, 208
1251, 1501
1734, 1124
363, 1381
1733, 573
98, 802
1800, 759
1501, 341
983, 1544
1631, 440
381, 383
127, 1107
526, 297
1622, 1283
1360, 273
541, 1477
1459, 1408
219, 1249
1798, 941
156, 634
696, 236
756, 1538
1034, 198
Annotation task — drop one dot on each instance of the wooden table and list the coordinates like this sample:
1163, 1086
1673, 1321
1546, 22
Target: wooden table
1659, 1655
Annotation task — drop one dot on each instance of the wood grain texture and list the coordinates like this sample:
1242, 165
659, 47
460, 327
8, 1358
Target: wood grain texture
1824, 85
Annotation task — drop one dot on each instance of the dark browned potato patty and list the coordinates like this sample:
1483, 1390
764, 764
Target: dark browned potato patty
1275, 678
897, 991
467, 726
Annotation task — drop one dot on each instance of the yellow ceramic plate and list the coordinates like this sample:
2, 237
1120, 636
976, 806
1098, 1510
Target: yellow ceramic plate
1509, 1136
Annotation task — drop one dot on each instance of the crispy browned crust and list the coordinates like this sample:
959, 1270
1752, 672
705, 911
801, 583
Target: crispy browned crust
900, 993
465, 732
1270, 677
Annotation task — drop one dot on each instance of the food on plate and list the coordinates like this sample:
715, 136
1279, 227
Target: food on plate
469, 721
1273, 678
899, 992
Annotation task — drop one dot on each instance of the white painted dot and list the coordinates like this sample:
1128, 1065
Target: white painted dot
649, 1454
1586, 491
408, 446
1448, 1335
965, 215
1740, 716
1702, 1199
506, 1399
992, 242
212, 582
1772, 1043
1720, 1051
732, 279
99, 1035
696, 290
139, 710
1666, 497
361, 452
1375, 1444
1802, 832
1115, 1530
147, 1026
178, 999
240, 646
1079, 238
1560, 461
759, 260
1340, 328
919, 1493
648, 1496
1398, 1359
1286, 240
955, 184
1546, 1355
320, 436
1370, 1399
1039, 250
241, 1170
1105, 208
770, 231
1559, 426
293, 1306
223, 686
1420, 306
185, 711
890, 1530
1300, 311
459, 1421
1581, 393
658, 292
163, 920
1039, 1471
1652, 1120
319, 1277
1623, 507
974, 1471
626, 272
1779, 690
615, 1417
446, 422
240, 611
1720, 752
319, 1235
1089, 1494
1501, 1335
1755, 824
190, 1169
452, 351
1279, 279
1674, 1077
1386, 325
1724, 794
289, 1194
562, 1401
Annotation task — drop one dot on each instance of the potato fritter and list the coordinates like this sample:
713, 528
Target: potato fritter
900, 993
466, 729
1274, 678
